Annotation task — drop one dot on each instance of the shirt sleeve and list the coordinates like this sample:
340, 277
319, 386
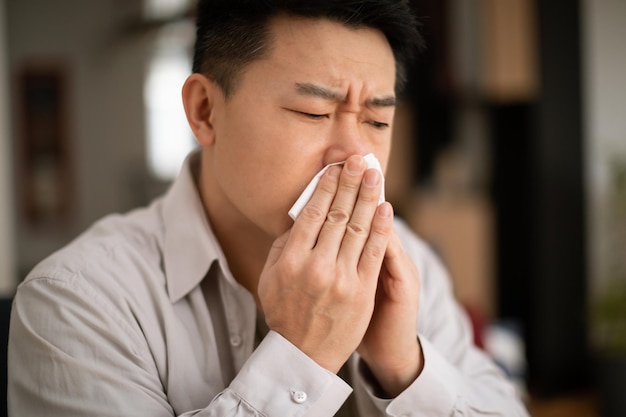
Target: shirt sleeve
458, 379
280, 380
72, 354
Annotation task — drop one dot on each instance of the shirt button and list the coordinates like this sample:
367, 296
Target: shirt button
298, 396
235, 340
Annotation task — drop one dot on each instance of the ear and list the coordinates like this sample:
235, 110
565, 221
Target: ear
200, 95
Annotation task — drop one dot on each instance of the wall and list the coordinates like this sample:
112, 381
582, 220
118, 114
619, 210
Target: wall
7, 243
605, 93
105, 65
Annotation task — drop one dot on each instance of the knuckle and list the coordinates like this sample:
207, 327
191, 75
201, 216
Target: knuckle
338, 215
368, 197
356, 229
350, 187
374, 251
312, 213
327, 186
289, 264
319, 278
317, 270
342, 289
381, 228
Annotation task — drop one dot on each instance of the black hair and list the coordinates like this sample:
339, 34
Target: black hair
233, 33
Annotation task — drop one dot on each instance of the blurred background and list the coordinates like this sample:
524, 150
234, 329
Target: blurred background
509, 158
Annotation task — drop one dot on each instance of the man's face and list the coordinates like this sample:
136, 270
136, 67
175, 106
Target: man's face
323, 93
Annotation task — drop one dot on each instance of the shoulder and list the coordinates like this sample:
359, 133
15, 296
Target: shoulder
115, 260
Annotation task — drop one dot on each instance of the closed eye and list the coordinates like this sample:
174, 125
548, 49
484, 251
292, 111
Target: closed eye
312, 115
378, 125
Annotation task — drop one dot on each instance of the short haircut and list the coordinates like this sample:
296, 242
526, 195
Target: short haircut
232, 33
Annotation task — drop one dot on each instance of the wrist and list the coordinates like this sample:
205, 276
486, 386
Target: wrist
389, 382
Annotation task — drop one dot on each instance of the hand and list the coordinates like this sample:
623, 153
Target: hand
318, 286
390, 347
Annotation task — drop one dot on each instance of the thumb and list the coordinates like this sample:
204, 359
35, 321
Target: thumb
277, 248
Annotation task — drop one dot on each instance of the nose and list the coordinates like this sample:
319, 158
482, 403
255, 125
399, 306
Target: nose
346, 138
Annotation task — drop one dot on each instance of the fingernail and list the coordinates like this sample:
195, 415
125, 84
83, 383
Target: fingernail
384, 210
333, 172
372, 178
354, 165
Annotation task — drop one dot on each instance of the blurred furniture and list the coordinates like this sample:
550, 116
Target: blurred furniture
579, 404
461, 231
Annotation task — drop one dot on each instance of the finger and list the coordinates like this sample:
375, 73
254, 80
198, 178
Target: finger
374, 250
334, 228
307, 226
360, 223
394, 254
401, 280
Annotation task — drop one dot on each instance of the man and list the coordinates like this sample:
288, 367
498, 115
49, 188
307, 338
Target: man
213, 301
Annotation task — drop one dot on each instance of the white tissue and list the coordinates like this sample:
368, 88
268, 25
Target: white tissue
306, 195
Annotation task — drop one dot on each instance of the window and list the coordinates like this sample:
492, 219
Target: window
163, 9
169, 136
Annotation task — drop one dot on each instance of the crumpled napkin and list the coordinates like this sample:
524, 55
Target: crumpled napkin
306, 195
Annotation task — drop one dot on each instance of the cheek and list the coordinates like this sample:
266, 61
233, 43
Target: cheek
270, 194
266, 159
263, 172
383, 155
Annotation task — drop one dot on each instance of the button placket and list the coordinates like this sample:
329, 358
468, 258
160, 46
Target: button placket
240, 313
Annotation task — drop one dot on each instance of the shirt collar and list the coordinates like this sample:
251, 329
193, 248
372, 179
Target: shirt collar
190, 246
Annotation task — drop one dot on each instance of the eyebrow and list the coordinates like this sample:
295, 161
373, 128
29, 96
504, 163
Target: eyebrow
326, 93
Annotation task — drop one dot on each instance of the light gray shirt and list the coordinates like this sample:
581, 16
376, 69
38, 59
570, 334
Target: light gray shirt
141, 316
